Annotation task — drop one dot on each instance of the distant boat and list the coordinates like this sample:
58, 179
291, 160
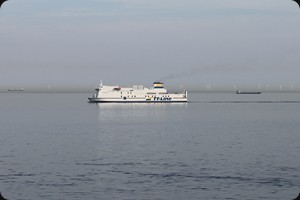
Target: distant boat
240, 92
16, 90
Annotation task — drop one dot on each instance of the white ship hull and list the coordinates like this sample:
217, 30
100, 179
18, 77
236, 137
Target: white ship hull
107, 100
136, 94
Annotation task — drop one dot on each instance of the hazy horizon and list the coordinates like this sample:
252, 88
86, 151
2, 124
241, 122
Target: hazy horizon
169, 87
195, 43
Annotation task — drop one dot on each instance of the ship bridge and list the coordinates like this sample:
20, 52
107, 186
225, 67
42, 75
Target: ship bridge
158, 85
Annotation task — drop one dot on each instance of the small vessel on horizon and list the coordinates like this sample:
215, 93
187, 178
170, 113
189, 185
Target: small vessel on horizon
136, 94
240, 92
16, 90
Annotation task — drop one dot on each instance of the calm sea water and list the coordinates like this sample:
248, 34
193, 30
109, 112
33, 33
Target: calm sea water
220, 146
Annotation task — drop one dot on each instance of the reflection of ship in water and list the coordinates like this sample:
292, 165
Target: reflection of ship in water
16, 90
240, 92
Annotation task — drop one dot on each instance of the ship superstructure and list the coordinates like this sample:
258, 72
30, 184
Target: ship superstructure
136, 93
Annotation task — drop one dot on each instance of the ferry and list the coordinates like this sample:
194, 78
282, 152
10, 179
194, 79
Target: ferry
136, 94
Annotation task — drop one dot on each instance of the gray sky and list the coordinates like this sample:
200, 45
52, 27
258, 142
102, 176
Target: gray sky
76, 43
